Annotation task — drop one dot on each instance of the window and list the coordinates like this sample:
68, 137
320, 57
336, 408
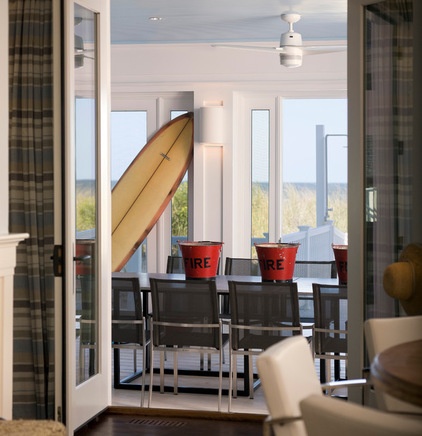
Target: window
294, 177
300, 120
179, 207
134, 121
314, 195
128, 137
260, 179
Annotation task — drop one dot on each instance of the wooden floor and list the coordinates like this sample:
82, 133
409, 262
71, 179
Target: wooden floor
187, 401
157, 422
183, 414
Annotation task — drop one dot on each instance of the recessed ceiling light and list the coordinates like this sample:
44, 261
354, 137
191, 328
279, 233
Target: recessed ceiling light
155, 18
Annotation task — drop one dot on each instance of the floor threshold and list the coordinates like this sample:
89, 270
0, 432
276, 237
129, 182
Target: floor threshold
179, 413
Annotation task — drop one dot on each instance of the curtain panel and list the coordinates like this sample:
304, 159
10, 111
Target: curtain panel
31, 204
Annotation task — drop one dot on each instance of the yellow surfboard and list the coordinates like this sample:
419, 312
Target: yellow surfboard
147, 186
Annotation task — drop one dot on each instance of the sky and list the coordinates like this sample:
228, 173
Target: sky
299, 120
128, 136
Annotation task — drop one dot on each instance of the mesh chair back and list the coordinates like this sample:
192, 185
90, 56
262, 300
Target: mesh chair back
270, 311
320, 269
330, 313
179, 308
237, 266
175, 265
126, 306
89, 310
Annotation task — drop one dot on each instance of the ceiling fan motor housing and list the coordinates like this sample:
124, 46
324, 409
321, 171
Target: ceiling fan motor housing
290, 38
291, 57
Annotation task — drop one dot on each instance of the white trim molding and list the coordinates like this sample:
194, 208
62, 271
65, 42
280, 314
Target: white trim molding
8, 244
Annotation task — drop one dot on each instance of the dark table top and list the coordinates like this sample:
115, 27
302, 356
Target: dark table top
304, 284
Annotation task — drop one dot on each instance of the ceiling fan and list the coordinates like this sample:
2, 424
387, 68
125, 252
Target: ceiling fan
80, 50
291, 50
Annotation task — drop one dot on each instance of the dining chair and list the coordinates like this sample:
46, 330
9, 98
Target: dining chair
383, 333
330, 328
312, 269
315, 268
128, 329
332, 417
262, 313
175, 265
88, 340
184, 319
288, 376
239, 266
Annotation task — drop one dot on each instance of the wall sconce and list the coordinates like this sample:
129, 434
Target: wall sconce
211, 131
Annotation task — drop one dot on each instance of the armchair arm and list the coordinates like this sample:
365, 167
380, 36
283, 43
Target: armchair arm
343, 383
329, 387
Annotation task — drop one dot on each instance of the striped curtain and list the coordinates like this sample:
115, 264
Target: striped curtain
31, 204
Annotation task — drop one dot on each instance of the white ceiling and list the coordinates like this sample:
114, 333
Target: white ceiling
203, 21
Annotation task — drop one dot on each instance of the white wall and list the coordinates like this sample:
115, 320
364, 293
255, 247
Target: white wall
190, 65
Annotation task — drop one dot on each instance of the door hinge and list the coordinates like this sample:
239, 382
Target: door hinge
57, 258
59, 414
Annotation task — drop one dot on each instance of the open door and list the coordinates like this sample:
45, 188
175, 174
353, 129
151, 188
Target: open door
87, 344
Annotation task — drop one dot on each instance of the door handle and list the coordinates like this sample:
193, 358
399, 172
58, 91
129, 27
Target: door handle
57, 259
82, 258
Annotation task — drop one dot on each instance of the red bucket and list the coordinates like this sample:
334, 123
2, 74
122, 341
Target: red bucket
277, 260
340, 255
201, 259
84, 257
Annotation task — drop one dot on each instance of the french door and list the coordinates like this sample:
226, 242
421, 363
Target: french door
87, 314
384, 121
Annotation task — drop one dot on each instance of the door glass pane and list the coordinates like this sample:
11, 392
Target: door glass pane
389, 145
128, 137
260, 177
86, 139
179, 207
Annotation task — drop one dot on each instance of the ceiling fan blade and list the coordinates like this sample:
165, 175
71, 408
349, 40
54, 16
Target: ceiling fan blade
321, 49
250, 47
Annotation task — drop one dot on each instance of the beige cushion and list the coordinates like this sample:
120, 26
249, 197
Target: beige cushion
332, 417
288, 375
26, 427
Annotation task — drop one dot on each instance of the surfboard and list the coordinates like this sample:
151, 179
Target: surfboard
147, 186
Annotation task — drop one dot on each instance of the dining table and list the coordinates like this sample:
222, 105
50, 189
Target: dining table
304, 284
222, 285
398, 371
